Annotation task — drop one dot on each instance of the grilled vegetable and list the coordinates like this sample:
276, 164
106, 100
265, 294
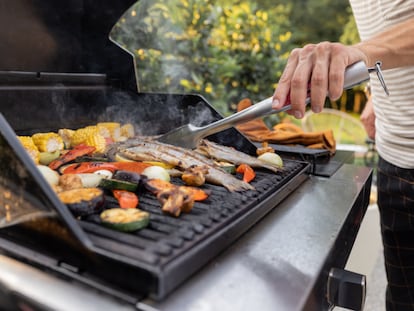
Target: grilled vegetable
127, 130
157, 185
175, 200
127, 176
135, 166
272, 158
46, 157
92, 158
127, 220
247, 171
66, 135
69, 181
90, 167
156, 172
87, 167
264, 148
80, 136
195, 175
126, 199
71, 155
230, 168
48, 142
114, 129
96, 140
51, 176
104, 173
83, 201
90, 180
30, 147
114, 184
90, 136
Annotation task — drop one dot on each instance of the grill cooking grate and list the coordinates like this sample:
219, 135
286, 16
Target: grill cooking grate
167, 237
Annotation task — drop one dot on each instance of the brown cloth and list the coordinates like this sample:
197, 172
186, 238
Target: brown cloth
285, 133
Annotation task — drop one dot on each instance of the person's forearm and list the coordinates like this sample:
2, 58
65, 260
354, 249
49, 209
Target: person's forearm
393, 47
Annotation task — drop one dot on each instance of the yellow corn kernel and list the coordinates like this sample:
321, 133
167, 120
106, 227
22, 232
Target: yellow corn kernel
30, 147
127, 130
48, 142
114, 129
66, 135
98, 141
81, 135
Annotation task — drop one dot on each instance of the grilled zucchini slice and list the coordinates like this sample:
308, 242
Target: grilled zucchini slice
116, 184
125, 219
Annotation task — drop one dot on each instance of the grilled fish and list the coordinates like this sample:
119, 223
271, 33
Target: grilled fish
141, 149
229, 154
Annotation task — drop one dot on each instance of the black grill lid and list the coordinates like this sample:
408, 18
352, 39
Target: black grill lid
25, 194
64, 36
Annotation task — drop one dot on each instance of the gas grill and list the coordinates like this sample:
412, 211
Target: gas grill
78, 77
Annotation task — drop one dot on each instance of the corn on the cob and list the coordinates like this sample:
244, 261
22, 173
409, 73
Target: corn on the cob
98, 141
89, 136
127, 130
30, 147
66, 135
48, 142
80, 135
114, 129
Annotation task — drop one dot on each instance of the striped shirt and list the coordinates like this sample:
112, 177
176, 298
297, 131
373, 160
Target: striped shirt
394, 113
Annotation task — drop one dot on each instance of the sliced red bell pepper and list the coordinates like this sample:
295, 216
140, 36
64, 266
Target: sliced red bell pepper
90, 167
78, 151
126, 199
247, 171
136, 167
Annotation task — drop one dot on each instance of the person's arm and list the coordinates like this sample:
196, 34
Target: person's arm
394, 47
324, 64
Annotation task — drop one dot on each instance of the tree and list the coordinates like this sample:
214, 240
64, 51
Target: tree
224, 50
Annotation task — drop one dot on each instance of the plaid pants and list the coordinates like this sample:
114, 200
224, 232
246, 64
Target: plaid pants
396, 206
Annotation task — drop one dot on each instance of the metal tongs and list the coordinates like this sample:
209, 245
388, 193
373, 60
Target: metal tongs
189, 135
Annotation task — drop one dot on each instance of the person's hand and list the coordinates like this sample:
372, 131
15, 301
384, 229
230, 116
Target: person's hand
368, 118
320, 66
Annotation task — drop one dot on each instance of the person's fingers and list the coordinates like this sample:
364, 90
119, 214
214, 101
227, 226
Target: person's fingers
339, 62
300, 81
315, 71
319, 80
281, 94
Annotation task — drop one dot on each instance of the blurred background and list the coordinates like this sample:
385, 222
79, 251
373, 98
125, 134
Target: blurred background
229, 50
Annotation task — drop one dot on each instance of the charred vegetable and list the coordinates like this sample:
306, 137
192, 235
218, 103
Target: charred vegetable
91, 167
175, 200
195, 175
156, 172
129, 219
127, 176
158, 185
71, 155
247, 171
115, 184
83, 201
126, 199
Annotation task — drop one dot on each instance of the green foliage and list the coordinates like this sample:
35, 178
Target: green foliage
350, 34
224, 50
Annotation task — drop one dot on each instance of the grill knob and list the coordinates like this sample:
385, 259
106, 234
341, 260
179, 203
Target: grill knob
346, 289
